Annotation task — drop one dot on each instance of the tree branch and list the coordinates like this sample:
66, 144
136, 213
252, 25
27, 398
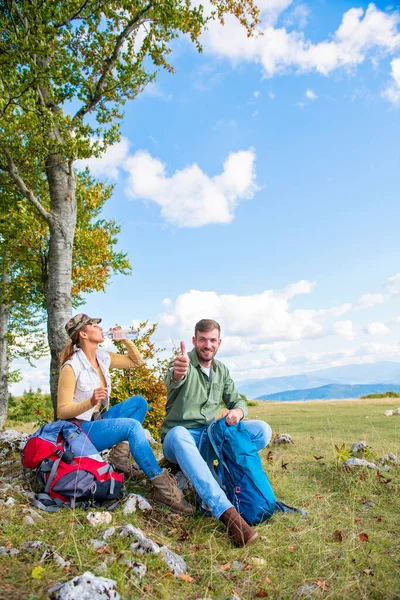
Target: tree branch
109, 64
12, 170
78, 12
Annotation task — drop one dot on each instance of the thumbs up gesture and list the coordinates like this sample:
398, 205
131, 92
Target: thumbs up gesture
181, 364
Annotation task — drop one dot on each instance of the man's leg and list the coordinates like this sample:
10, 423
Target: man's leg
132, 408
179, 447
260, 432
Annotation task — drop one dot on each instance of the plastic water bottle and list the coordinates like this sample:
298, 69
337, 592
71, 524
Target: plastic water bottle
120, 334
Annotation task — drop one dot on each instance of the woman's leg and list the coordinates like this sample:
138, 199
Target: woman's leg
133, 408
108, 432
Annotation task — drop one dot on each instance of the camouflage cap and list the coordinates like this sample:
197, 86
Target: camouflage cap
77, 322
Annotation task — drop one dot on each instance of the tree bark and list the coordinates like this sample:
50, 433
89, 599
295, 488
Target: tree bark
62, 187
4, 361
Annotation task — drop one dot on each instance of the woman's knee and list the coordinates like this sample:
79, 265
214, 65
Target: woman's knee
140, 402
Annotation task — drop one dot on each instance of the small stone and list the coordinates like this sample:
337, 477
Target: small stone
360, 462
258, 562
10, 501
175, 562
236, 565
87, 587
390, 458
99, 518
369, 504
8, 551
109, 533
388, 413
141, 544
28, 520
35, 515
306, 590
138, 569
397, 411
32, 546
360, 447
60, 561
136, 500
283, 438
97, 544
149, 437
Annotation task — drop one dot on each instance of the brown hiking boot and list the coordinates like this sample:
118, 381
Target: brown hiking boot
167, 492
237, 528
121, 460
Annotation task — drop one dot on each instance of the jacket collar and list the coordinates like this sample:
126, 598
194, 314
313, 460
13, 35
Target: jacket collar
84, 361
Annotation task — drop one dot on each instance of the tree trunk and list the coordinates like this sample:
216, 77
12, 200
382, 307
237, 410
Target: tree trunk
62, 185
4, 362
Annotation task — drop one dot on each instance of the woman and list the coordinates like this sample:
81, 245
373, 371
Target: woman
84, 386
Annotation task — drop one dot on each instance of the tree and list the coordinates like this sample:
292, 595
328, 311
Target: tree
66, 70
24, 252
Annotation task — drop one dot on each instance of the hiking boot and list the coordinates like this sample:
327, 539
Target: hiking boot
167, 492
240, 532
121, 460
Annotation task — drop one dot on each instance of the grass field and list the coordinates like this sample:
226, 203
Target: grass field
349, 547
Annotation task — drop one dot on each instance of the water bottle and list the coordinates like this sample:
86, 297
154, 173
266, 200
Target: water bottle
120, 334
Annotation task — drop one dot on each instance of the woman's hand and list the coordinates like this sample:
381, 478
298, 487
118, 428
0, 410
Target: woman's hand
99, 394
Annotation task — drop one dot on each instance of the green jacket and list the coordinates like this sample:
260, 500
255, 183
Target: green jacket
195, 401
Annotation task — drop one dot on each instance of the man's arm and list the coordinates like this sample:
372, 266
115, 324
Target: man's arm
177, 370
237, 407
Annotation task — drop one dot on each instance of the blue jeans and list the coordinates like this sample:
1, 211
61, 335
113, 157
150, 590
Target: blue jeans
123, 422
181, 446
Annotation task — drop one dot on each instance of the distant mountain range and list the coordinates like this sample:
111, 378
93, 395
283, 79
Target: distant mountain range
332, 391
387, 373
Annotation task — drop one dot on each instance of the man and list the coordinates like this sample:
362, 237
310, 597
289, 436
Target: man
197, 385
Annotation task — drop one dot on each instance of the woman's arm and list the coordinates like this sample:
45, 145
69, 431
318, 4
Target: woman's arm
126, 361
66, 407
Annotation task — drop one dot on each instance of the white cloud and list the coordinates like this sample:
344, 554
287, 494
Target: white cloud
256, 94
271, 95
393, 285
372, 32
376, 329
392, 92
344, 329
190, 198
109, 163
250, 323
369, 300
298, 17
311, 95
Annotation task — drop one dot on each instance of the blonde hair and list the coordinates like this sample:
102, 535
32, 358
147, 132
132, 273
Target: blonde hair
70, 348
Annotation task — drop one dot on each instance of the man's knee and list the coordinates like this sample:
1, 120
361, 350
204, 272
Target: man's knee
265, 433
178, 436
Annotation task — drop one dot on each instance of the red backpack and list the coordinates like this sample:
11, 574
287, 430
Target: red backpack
68, 468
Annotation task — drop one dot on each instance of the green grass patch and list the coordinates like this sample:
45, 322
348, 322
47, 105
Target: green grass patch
349, 546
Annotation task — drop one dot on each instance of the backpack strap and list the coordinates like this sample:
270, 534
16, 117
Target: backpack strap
45, 502
214, 453
52, 474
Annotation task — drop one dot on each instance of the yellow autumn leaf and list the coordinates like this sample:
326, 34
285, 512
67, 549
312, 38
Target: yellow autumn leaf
37, 572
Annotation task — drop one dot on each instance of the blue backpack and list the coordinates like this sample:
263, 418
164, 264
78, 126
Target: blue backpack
239, 472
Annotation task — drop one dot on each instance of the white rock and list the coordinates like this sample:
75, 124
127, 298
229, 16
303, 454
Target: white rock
109, 533
283, 438
97, 544
359, 462
389, 458
35, 515
10, 501
141, 544
136, 500
28, 520
32, 546
259, 562
360, 447
388, 413
397, 411
175, 562
99, 518
138, 568
86, 587
236, 565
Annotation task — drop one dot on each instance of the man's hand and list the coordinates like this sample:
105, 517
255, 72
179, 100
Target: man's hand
181, 364
233, 416
99, 394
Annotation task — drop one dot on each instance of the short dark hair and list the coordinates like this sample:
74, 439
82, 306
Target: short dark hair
206, 325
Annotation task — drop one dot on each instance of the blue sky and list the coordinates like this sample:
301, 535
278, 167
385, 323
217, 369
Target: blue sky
259, 186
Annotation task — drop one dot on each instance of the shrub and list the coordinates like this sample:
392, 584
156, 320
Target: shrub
32, 406
146, 381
